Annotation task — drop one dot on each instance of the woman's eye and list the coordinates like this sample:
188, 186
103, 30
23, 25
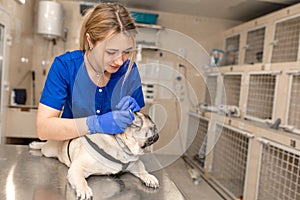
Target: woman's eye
110, 52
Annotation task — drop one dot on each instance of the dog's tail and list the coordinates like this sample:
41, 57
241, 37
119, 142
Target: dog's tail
36, 145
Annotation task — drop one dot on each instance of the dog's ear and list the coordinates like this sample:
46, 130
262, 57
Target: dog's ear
137, 122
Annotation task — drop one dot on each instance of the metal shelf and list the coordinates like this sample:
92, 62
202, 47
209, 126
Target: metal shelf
151, 26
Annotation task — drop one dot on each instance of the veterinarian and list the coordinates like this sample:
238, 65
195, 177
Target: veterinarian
94, 89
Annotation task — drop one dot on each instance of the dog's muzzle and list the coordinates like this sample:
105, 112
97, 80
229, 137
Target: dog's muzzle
151, 140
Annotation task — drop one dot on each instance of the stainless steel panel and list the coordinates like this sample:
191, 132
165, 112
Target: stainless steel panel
25, 174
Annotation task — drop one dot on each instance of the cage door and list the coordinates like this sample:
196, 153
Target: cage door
286, 40
261, 95
279, 173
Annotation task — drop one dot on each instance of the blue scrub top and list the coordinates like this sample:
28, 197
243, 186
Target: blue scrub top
69, 87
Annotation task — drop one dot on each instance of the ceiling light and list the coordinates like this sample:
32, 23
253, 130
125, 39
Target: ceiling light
21, 1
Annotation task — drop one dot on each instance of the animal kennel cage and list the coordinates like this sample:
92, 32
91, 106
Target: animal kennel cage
261, 97
232, 46
293, 114
279, 173
286, 40
230, 159
197, 149
211, 89
254, 48
232, 86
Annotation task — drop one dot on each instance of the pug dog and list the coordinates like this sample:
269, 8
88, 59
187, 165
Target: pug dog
104, 154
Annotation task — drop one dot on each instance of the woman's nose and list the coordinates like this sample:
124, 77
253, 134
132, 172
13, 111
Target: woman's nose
119, 60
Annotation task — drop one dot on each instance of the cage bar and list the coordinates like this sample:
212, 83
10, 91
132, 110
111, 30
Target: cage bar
279, 176
261, 95
286, 40
197, 149
232, 85
230, 159
255, 46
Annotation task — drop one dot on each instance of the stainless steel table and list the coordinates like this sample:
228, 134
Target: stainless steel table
27, 175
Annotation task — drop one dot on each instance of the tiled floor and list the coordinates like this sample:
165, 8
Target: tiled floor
179, 174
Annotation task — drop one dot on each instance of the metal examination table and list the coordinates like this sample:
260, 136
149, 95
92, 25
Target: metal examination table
27, 175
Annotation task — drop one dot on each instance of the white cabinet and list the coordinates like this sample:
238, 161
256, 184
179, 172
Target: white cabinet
21, 123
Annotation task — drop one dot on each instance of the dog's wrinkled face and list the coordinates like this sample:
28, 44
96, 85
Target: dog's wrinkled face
145, 130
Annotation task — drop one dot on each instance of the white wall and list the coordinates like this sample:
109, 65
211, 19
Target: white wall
40, 52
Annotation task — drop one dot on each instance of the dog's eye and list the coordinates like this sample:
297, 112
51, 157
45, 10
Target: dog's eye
134, 126
153, 128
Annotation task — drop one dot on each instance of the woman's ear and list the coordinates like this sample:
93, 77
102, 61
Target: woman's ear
88, 38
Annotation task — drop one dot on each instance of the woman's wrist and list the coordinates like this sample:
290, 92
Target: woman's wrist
81, 126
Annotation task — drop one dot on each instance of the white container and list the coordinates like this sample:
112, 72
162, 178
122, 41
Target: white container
12, 98
50, 19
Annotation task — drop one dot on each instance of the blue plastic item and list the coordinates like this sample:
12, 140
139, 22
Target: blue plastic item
145, 18
110, 123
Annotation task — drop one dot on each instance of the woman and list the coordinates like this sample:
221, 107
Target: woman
97, 88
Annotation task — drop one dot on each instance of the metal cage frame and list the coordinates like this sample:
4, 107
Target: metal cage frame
240, 89
276, 73
243, 134
199, 158
280, 170
291, 74
263, 44
274, 41
237, 52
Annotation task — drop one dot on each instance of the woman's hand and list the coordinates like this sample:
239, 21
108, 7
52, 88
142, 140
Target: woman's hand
110, 123
115, 121
128, 103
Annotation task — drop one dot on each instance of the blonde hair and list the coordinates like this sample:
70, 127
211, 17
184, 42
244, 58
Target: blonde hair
106, 20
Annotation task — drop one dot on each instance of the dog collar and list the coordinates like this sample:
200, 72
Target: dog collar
106, 155
123, 146
68, 150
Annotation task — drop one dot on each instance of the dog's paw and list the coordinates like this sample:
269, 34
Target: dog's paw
84, 193
36, 145
150, 180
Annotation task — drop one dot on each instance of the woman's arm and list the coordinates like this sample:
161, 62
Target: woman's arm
50, 126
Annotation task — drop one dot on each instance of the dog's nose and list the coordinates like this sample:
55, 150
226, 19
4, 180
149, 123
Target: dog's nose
153, 139
150, 141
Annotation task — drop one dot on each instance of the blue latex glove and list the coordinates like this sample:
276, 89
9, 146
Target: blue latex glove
128, 103
110, 123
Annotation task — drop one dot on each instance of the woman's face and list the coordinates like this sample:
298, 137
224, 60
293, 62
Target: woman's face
110, 54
